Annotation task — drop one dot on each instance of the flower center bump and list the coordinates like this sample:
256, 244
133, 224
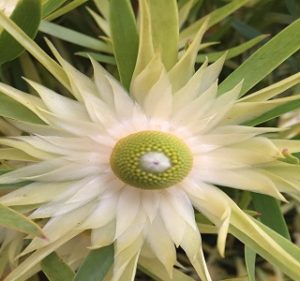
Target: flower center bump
151, 160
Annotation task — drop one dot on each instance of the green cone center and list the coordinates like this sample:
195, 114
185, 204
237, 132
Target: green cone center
151, 160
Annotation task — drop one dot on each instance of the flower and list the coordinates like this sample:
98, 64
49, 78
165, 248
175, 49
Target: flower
130, 167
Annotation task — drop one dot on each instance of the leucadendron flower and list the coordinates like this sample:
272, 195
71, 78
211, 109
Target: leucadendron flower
132, 166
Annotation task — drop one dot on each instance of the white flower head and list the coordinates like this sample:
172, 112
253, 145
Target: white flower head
131, 167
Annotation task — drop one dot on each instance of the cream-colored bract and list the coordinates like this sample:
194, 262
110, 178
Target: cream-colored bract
74, 186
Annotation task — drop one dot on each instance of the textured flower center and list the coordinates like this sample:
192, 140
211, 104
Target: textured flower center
151, 160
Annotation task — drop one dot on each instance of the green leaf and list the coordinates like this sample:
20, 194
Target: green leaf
278, 111
232, 52
273, 90
98, 57
65, 9
14, 220
28, 21
50, 6
11, 109
34, 259
214, 17
270, 213
185, 10
96, 265
165, 29
157, 271
56, 269
124, 38
293, 7
265, 59
254, 236
244, 29
103, 7
74, 37
290, 247
53, 67
250, 257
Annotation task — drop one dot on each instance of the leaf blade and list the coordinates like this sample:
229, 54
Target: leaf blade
14, 220
265, 60
124, 37
164, 13
96, 265
10, 108
56, 269
28, 22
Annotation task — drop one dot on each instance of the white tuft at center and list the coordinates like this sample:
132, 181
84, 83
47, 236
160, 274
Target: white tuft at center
155, 162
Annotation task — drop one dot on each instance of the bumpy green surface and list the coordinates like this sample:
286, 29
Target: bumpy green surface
125, 159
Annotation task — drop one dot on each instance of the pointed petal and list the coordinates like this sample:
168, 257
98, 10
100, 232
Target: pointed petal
43, 130
158, 102
31, 102
146, 49
190, 91
162, 244
223, 104
150, 203
180, 201
141, 84
228, 135
54, 230
184, 68
103, 214
34, 169
60, 105
254, 151
27, 148
103, 236
102, 84
31, 194
127, 209
80, 83
174, 223
242, 112
199, 108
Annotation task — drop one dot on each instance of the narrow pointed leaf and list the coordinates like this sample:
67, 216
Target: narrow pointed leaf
270, 213
11, 109
29, 22
278, 111
165, 26
34, 259
96, 265
232, 52
290, 247
274, 89
265, 59
124, 37
56, 269
55, 69
98, 57
14, 220
65, 9
254, 236
74, 37
215, 17
250, 257
50, 6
